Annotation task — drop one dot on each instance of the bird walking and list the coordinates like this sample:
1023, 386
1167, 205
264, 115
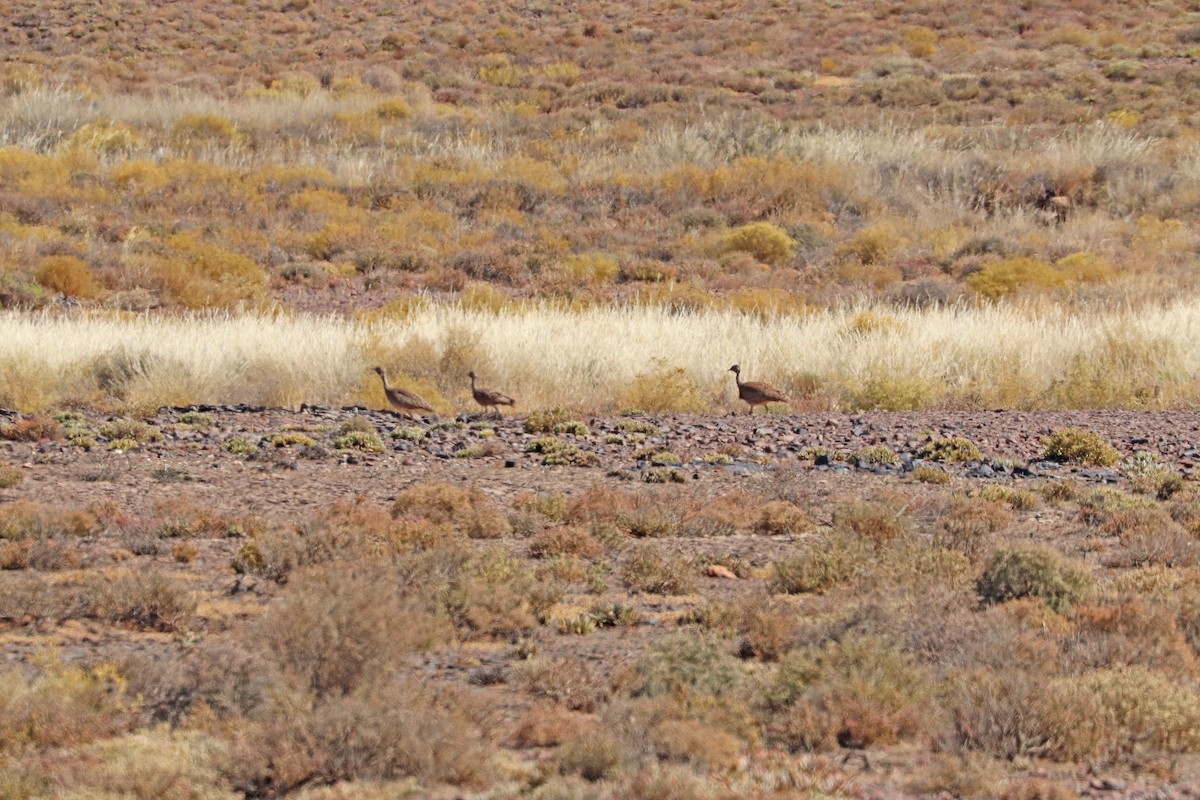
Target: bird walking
404, 402
489, 397
756, 393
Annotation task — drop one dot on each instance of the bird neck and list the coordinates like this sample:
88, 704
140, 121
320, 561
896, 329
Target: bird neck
472, 383
737, 376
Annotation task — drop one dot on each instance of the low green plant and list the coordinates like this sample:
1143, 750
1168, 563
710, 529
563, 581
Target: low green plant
686, 662
544, 420
366, 441
927, 473
821, 564
955, 448
290, 439
135, 429
557, 452
1076, 446
239, 446
874, 455
649, 568
1018, 571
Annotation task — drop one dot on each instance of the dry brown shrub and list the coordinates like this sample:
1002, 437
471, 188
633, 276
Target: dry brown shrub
1127, 632
647, 514
593, 756
152, 600
31, 429
398, 729
27, 519
336, 628
876, 522
968, 524
767, 627
567, 682
60, 706
649, 568
1150, 536
40, 554
693, 742
779, 517
468, 510
564, 540
547, 725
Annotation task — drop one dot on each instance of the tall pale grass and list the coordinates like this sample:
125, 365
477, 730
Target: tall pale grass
846, 358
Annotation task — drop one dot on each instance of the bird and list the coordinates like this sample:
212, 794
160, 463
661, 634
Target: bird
755, 393
402, 401
489, 397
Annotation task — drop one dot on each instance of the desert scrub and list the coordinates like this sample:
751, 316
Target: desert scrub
409, 434
876, 522
1148, 476
1076, 446
31, 429
10, 476
875, 455
637, 426
239, 446
558, 452
855, 692
1017, 499
648, 568
779, 517
1018, 571
364, 441
763, 240
928, 473
686, 662
956, 448
289, 439
821, 564
131, 429
149, 600
544, 420
572, 427
468, 510
661, 389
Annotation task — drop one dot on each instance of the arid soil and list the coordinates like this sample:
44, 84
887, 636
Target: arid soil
191, 471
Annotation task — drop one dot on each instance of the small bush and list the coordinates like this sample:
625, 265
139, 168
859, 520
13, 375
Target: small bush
564, 540
1075, 446
821, 564
559, 452
663, 389
763, 240
686, 663
31, 429
875, 522
468, 510
68, 275
10, 476
875, 455
649, 569
151, 600
134, 429
1030, 571
956, 448
367, 442
779, 517
927, 473
544, 420
289, 439
239, 446
593, 756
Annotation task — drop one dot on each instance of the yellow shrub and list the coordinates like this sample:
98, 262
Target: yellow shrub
589, 268
763, 240
142, 175
105, 138
664, 389
393, 108
193, 130
68, 275
204, 275
921, 42
874, 244
498, 70
1012, 274
564, 71
1086, 268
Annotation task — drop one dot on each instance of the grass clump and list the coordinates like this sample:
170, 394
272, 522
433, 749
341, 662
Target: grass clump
364, 441
821, 564
663, 389
10, 476
956, 448
289, 439
31, 429
651, 569
764, 240
1076, 446
544, 420
686, 663
927, 473
239, 446
875, 455
468, 510
1018, 571
557, 452
131, 429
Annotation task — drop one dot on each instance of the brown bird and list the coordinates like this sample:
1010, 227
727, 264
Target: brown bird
1057, 207
402, 401
489, 397
755, 393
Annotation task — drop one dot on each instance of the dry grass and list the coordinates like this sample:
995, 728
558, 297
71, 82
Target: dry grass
596, 359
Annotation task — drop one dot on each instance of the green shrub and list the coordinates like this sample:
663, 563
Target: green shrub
544, 420
289, 439
1031, 571
368, 442
875, 455
558, 452
821, 564
135, 429
1076, 446
956, 448
927, 473
1013, 274
239, 446
686, 663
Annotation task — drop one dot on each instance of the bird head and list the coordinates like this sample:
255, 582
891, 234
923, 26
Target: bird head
735, 369
471, 374
378, 370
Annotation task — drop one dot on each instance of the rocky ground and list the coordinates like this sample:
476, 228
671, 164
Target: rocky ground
223, 460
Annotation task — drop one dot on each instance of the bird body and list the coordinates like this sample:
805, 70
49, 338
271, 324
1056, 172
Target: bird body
756, 393
403, 401
489, 397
